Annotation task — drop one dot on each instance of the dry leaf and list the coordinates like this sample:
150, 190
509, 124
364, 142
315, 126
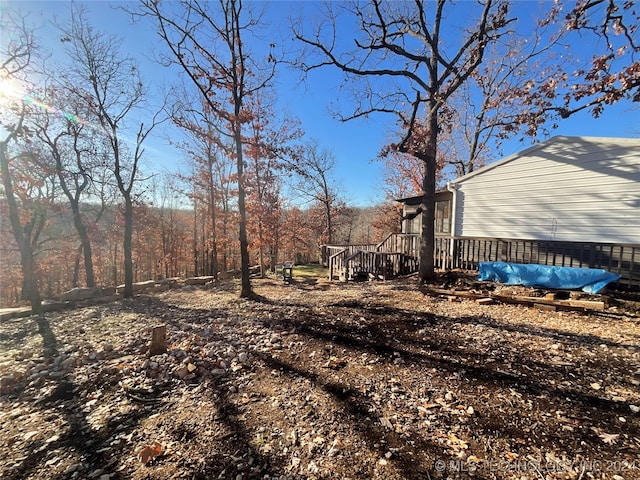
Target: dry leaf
511, 456
457, 442
149, 452
609, 438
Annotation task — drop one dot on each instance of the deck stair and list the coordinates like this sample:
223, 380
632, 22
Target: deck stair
395, 255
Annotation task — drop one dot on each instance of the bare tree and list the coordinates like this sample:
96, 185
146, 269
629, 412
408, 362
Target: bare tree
16, 58
211, 175
207, 41
110, 84
76, 159
314, 171
403, 44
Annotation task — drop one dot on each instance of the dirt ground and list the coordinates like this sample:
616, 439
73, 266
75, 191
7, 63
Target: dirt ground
320, 380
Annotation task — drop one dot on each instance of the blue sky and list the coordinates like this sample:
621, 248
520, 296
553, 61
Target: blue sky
355, 143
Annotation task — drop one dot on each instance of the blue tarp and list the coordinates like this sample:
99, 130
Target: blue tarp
590, 280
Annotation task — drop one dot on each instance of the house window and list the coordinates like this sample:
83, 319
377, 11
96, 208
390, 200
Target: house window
413, 224
443, 217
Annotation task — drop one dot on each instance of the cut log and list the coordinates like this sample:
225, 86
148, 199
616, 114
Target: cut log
522, 300
545, 307
198, 280
158, 340
80, 294
485, 301
138, 286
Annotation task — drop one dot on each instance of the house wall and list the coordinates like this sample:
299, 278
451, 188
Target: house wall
568, 188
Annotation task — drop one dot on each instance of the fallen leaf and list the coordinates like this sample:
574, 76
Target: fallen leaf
511, 456
457, 442
609, 438
149, 452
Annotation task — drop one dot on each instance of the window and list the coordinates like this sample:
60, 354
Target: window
413, 224
443, 217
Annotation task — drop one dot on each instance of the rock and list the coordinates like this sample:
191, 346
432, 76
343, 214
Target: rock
72, 468
216, 372
181, 372
242, 357
7, 382
96, 473
634, 408
68, 363
107, 347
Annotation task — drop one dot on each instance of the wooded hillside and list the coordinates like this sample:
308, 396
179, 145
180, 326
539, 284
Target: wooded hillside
167, 242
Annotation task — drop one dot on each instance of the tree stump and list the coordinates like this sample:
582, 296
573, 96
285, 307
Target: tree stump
158, 340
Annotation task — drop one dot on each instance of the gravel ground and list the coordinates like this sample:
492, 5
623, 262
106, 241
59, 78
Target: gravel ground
320, 380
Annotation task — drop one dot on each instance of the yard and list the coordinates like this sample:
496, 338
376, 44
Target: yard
321, 380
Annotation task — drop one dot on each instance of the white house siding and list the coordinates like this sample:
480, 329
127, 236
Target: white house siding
567, 188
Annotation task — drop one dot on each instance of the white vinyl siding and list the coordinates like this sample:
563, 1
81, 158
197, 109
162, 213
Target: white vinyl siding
568, 188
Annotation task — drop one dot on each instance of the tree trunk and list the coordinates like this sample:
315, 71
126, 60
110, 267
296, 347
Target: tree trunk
86, 245
245, 291
30, 290
75, 281
427, 244
327, 207
126, 247
214, 237
22, 235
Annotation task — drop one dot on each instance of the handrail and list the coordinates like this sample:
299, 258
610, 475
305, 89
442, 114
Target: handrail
334, 259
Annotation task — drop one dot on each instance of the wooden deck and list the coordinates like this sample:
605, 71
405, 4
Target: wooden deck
396, 255
399, 254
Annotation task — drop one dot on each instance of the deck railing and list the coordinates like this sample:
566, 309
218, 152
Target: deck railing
623, 259
399, 254
379, 265
326, 251
408, 243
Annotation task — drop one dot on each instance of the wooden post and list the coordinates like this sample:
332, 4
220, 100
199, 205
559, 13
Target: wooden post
158, 340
